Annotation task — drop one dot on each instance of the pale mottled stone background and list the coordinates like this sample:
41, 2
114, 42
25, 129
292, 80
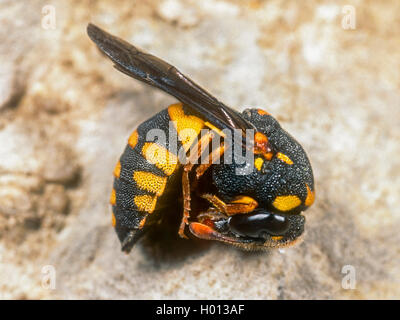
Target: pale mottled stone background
65, 115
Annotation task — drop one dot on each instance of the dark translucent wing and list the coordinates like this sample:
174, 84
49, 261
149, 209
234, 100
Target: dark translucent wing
158, 73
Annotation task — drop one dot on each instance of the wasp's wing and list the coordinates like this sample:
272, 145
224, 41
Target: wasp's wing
158, 73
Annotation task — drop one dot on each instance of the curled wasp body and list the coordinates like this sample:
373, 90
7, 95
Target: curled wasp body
253, 204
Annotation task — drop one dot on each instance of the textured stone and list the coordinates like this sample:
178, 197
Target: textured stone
9, 89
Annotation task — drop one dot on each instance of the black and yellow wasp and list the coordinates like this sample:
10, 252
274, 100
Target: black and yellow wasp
261, 209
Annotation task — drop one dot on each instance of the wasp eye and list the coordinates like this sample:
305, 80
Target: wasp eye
256, 225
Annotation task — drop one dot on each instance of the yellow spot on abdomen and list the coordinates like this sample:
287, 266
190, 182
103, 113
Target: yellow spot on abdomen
117, 170
150, 182
310, 196
145, 203
286, 203
160, 157
188, 127
133, 139
113, 197
113, 220
284, 158
276, 238
258, 162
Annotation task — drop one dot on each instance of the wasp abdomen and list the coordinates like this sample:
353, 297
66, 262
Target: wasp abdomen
147, 166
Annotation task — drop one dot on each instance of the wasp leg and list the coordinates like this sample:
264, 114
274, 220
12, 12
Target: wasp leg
211, 214
213, 158
205, 232
186, 187
241, 204
186, 200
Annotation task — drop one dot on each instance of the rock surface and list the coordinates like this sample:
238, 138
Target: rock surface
65, 115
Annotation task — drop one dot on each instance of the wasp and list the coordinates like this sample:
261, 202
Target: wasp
257, 210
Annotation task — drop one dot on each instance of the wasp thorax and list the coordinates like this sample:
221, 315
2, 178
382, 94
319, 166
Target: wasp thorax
258, 224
